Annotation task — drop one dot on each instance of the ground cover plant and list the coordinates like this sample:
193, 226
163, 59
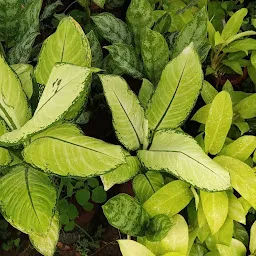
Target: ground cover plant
127, 128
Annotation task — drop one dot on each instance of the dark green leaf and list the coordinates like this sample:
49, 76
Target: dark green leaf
99, 195
72, 212
50, 9
93, 182
163, 24
69, 226
88, 206
82, 196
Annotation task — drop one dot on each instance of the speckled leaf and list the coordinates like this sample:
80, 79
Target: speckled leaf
126, 59
46, 244
170, 199
67, 82
112, 29
146, 91
65, 151
121, 174
111, 67
218, 123
131, 248
14, 108
155, 54
242, 176
208, 92
180, 155
32, 194
97, 54
125, 213
49, 10
176, 92
195, 31
163, 24
123, 104
25, 72
241, 148
246, 108
68, 44
215, 206
100, 3
145, 185
202, 114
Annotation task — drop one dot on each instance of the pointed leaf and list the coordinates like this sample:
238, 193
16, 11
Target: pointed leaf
234, 65
145, 93
244, 45
131, 248
208, 92
123, 104
246, 108
63, 150
201, 115
68, 44
235, 209
5, 157
176, 92
180, 155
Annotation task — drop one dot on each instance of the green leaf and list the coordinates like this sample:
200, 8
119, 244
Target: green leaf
49, 10
234, 65
195, 31
169, 200
100, 3
126, 59
5, 157
244, 45
239, 35
115, 3
235, 249
131, 248
246, 108
159, 227
123, 104
68, 44
14, 108
145, 93
235, 209
67, 82
252, 245
202, 114
155, 54
253, 58
240, 233
208, 92
241, 148
99, 195
93, 182
180, 155
121, 174
215, 206
218, 39
243, 127
46, 244
218, 123
145, 185
243, 179
69, 226
163, 24
32, 194
125, 213
234, 23
112, 29
110, 66
76, 151
228, 87
169, 110
82, 196
211, 33
97, 54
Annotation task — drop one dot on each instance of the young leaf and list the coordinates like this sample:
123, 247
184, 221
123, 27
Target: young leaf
202, 114
180, 155
252, 245
76, 151
67, 82
14, 108
234, 23
169, 110
46, 244
244, 45
126, 59
145, 185
122, 173
243, 179
215, 206
125, 213
131, 248
227, 87
169, 200
68, 44
32, 194
218, 123
112, 29
208, 92
145, 93
155, 54
246, 108
123, 104
241, 148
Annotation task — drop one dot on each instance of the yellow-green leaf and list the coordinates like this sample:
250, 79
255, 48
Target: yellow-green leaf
202, 114
208, 92
131, 248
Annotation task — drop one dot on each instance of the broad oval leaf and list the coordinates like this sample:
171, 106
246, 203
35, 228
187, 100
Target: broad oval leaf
155, 54
252, 244
131, 248
112, 29
145, 185
176, 92
14, 108
145, 93
46, 244
218, 123
64, 150
67, 82
180, 155
208, 92
246, 108
242, 176
241, 148
215, 206
123, 104
68, 44
170, 199
33, 194
125, 213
